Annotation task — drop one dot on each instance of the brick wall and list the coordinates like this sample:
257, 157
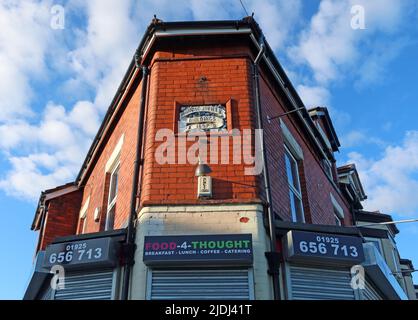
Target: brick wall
316, 187
62, 217
176, 73
175, 79
97, 186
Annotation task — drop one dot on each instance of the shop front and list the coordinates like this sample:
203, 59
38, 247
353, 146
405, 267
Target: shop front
78, 268
199, 267
329, 263
318, 266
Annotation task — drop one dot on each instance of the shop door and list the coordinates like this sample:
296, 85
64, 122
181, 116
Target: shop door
200, 284
309, 283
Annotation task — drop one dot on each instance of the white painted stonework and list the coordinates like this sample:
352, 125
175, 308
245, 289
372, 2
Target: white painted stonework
204, 219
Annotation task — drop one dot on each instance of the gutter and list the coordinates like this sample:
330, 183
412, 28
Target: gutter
266, 177
129, 245
291, 94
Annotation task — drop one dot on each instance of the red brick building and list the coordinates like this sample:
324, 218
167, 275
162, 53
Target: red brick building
133, 224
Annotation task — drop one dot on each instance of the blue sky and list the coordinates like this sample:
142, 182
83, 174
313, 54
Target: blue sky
52, 80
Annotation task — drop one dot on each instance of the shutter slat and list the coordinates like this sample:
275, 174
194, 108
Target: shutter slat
87, 286
200, 284
369, 292
309, 283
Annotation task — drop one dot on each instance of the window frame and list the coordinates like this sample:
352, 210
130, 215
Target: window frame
338, 220
296, 216
396, 264
111, 203
328, 168
82, 219
83, 224
338, 211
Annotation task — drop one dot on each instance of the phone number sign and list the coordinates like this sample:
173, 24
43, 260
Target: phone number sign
302, 245
91, 252
195, 249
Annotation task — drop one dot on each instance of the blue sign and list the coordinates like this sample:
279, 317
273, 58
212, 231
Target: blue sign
302, 245
91, 252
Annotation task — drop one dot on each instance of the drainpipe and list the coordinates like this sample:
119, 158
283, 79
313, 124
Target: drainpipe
129, 245
270, 213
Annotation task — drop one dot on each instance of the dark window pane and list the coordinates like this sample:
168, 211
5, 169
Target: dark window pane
289, 169
292, 206
110, 219
113, 191
292, 171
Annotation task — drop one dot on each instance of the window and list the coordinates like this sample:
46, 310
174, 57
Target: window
395, 260
295, 194
337, 220
82, 227
83, 217
324, 136
111, 202
338, 211
328, 168
112, 180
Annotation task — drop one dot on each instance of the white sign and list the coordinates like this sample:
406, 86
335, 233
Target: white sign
205, 117
204, 186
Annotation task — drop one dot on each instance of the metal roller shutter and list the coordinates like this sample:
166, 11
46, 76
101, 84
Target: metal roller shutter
93, 285
308, 283
369, 292
201, 284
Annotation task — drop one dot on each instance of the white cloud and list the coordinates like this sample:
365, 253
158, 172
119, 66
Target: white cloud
330, 47
22, 54
277, 18
104, 49
373, 68
47, 149
328, 42
215, 9
26, 177
391, 181
82, 111
53, 149
355, 138
334, 52
313, 96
